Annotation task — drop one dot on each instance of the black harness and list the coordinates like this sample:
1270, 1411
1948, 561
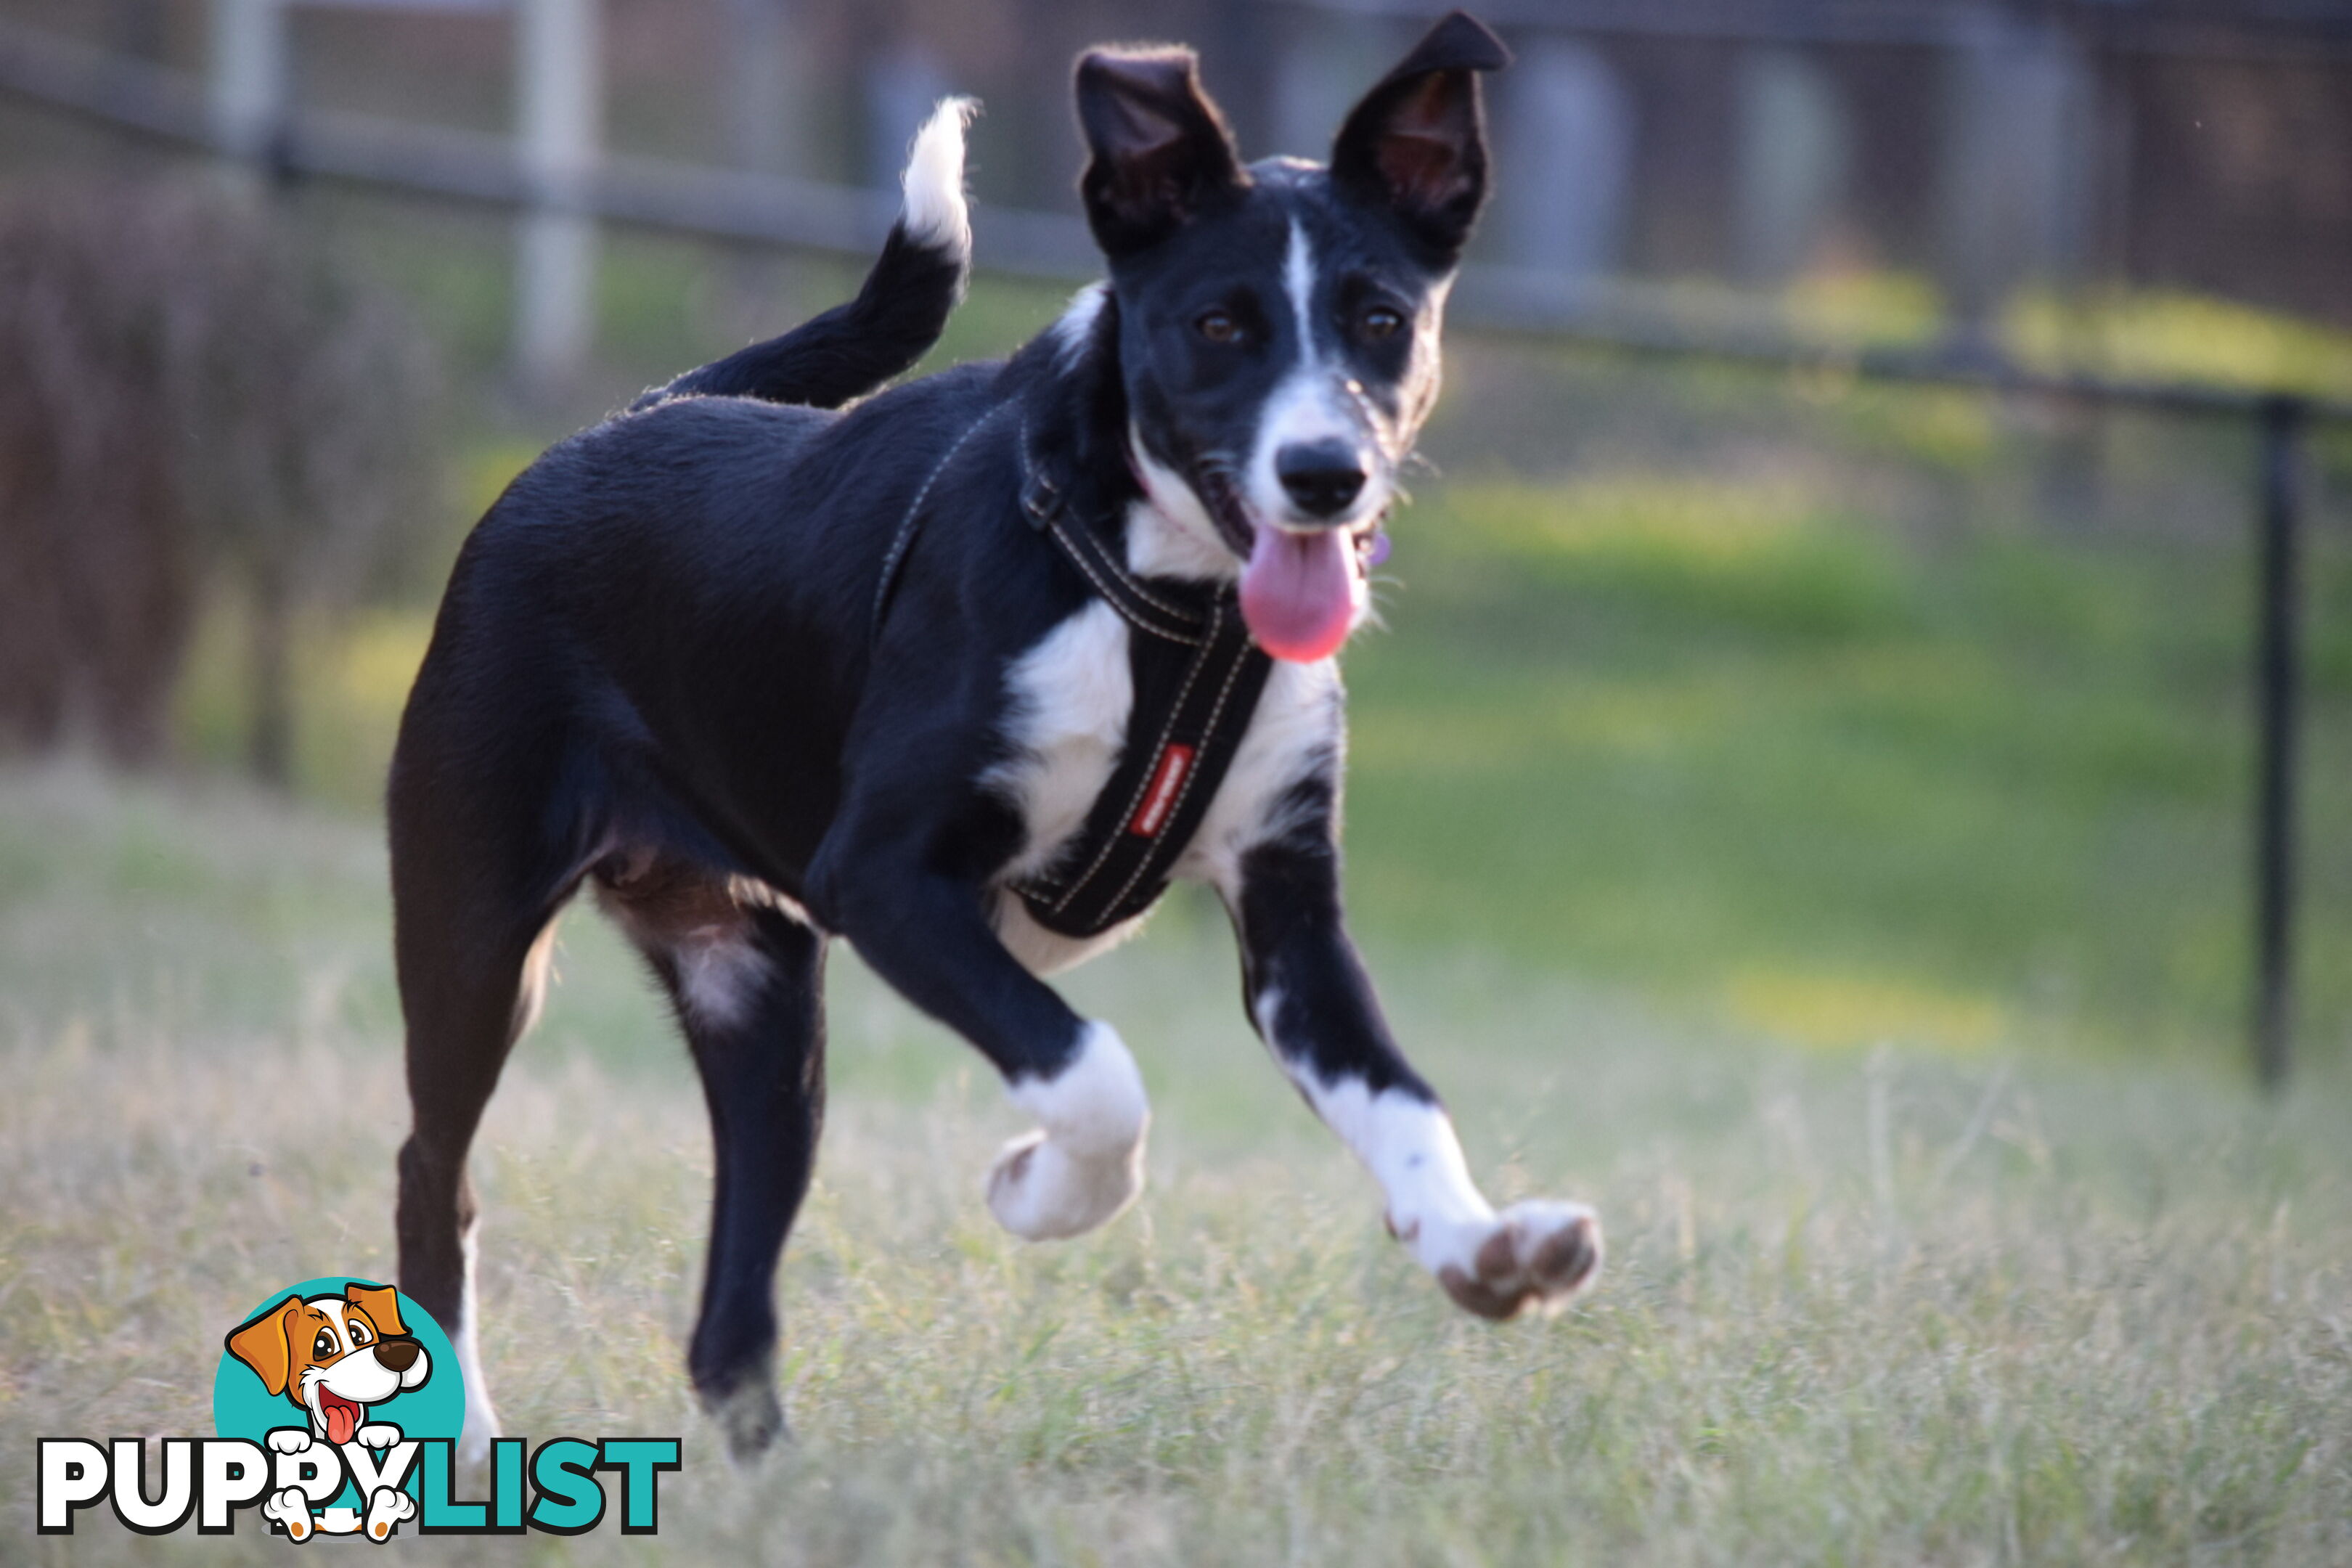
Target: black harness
1197, 675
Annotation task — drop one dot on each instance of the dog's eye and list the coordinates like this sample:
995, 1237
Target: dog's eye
324, 1345
1381, 321
1218, 327
358, 1335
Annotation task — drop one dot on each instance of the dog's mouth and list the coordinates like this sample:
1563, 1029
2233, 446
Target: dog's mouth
1298, 585
342, 1415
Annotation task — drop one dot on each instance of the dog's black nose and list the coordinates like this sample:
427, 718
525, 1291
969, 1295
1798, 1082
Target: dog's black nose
1323, 478
397, 1355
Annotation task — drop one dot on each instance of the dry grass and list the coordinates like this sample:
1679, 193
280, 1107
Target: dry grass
1860, 1307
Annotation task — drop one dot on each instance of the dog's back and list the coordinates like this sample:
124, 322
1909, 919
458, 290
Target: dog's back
731, 508
694, 578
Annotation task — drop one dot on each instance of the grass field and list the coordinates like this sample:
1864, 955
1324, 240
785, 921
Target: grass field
1766, 823
1862, 1307
1806, 819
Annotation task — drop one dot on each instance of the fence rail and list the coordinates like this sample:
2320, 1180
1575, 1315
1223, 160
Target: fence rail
742, 207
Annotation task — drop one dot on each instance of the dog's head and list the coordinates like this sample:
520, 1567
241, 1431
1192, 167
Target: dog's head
333, 1356
1278, 322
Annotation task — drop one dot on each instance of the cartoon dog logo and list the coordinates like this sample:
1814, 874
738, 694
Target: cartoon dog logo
331, 1356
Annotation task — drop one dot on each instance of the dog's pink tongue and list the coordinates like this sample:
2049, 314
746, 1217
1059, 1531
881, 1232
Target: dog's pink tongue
1297, 594
343, 1420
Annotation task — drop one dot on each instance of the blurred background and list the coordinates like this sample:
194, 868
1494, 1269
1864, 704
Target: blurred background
1831, 612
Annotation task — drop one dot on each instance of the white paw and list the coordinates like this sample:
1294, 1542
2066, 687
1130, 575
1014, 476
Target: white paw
386, 1508
289, 1439
1539, 1253
1086, 1163
1040, 1190
290, 1508
377, 1434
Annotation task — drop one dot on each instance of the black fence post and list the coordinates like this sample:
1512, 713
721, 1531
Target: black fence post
2278, 683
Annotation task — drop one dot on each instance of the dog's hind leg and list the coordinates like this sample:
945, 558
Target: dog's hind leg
473, 926
464, 1015
745, 971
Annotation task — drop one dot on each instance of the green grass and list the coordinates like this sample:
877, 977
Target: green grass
1721, 741
1866, 1308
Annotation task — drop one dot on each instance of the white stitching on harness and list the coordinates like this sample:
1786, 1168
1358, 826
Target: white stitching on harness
1134, 583
904, 541
1077, 557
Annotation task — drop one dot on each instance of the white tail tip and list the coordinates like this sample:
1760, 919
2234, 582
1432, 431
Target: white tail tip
935, 214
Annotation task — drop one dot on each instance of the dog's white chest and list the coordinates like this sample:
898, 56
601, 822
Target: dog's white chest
1071, 696
1066, 722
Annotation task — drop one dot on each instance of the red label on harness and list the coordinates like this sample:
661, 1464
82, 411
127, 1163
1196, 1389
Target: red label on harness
1167, 781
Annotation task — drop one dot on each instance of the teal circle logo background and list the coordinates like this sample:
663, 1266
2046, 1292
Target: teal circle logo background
243, 1406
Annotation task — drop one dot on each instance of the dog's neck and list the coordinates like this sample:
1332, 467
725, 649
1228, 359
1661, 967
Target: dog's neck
1168, 533
1081, 432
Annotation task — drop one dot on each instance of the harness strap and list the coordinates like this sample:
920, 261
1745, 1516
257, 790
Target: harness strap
1196, 685
1192, 706
1197, 675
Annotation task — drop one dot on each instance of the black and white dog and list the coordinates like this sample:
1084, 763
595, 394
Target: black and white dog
963, 675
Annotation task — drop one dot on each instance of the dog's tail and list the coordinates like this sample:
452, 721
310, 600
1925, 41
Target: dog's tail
898, 315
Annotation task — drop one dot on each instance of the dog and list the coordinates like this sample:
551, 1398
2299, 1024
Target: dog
332, 1357
964, 674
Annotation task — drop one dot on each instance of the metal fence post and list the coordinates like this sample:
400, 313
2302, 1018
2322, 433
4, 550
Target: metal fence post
2278, 681
558, 88
246, 84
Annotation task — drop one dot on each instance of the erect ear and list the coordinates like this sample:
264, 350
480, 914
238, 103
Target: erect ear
1160, 152
1417, 144
382, 1305
261, 1344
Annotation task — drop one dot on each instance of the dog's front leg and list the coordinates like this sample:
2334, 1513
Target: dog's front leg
1313, 1003
927, 935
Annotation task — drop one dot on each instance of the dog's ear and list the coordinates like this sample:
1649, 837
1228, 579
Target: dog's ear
262, 1345
1417, 143
382, 1305
1160, 151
